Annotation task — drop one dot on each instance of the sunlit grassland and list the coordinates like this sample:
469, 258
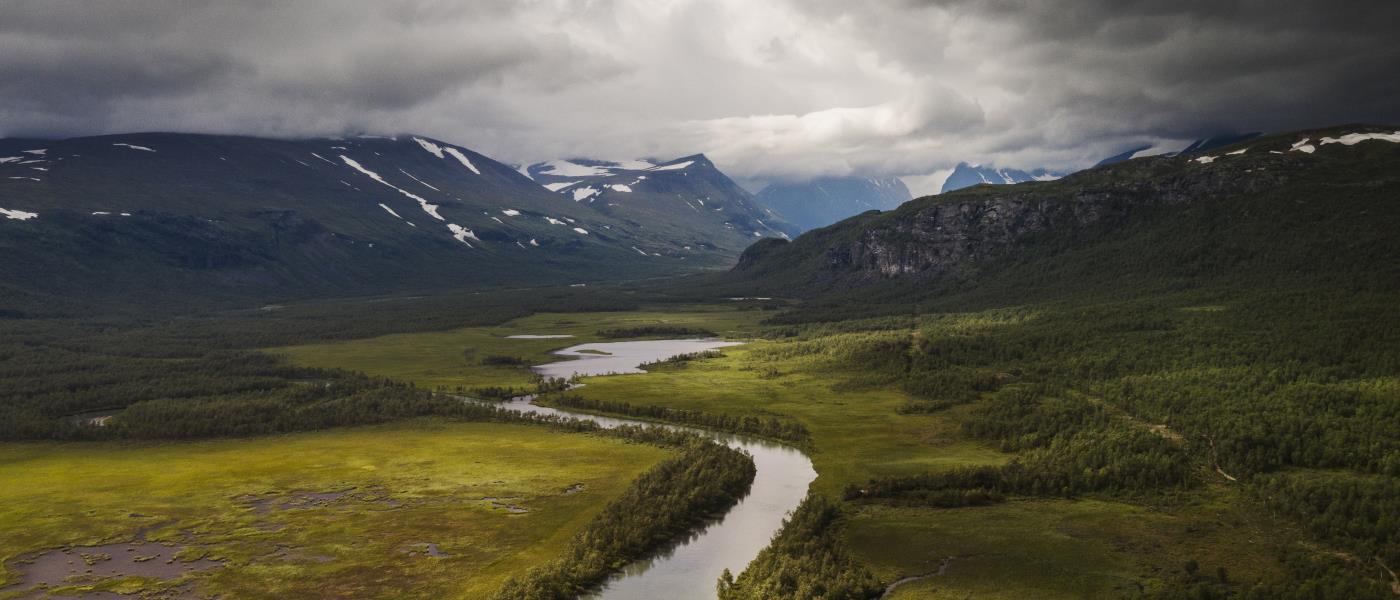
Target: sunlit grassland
1049, 548
410, 484
856, 434
454, 358
1024, 548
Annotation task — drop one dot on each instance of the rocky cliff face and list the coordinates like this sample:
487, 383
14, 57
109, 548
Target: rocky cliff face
954, 234
945, 236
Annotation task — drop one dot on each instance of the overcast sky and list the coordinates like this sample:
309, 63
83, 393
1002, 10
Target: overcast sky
767, 88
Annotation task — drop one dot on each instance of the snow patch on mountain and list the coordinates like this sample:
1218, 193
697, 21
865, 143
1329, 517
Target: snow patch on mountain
554, 187
564, 168
17, 215
428, 207
1352, 139
584, 193
673, 167
419, 180
510, 212
462, 234
435, 149
134, 147
391, 211
461, 158
581, 231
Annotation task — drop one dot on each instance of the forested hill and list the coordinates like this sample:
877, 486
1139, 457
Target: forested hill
172, 218
1307, 204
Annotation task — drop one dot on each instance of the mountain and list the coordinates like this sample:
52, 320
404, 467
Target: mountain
688, 201
826, 200
1211, 143
167, 215
1201, 145
1312, 204
556, 175
1126, 155
966, 175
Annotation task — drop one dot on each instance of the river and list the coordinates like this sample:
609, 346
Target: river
689, 568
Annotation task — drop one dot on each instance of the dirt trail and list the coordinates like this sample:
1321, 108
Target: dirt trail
1394, 580
1160, 429
942, 568
1215, 461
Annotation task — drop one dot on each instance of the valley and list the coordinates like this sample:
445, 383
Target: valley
699, 300
1036, 390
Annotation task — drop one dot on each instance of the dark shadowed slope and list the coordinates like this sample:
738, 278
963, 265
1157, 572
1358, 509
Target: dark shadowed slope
157, 215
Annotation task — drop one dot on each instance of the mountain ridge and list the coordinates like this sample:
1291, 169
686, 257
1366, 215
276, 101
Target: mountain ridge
948, 239
164, 215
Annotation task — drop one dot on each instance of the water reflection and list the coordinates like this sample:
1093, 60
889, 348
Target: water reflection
689, 568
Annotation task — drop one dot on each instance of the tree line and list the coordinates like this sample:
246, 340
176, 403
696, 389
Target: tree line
770, 427
671, 498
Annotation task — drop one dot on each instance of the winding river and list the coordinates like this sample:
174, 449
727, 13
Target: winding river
690, 567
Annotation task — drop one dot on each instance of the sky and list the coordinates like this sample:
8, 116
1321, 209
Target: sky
768, 89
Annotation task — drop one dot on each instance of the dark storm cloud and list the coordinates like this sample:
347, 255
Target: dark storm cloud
779, 88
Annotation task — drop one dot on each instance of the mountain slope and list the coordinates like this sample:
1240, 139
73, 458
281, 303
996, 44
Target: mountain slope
161, 215
556, 175
969, 175
1310, 204
1201, 145
686, 205
965, 175
826, 200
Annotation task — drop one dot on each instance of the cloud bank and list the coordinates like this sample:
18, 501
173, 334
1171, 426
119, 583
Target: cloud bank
780, 89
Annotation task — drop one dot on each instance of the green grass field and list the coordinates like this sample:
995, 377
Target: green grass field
856, 434
1063, 549
1020, 549
453, 358
409, 484
1043, 548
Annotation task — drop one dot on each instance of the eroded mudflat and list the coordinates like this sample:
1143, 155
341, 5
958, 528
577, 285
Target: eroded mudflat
270, 502
83, 565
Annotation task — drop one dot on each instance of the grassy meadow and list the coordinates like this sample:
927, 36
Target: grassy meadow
455, 358
882, 397
340, 513
1051, 548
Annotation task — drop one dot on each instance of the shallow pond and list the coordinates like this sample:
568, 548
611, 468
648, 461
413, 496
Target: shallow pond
604, 358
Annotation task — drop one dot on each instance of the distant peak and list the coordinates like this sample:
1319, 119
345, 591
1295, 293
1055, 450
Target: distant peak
695, 158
